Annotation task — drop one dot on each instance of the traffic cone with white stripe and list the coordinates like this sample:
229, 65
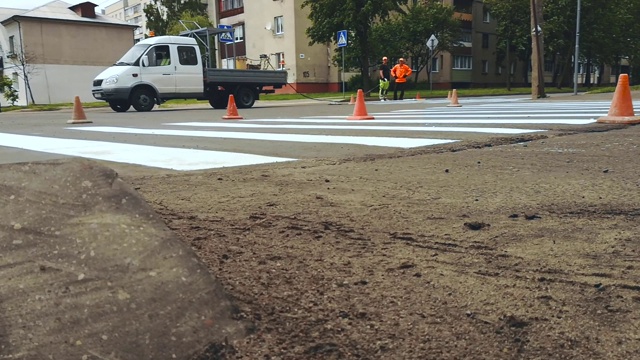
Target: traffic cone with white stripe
360, 110
621, 110
78, 116
232, 110
454, 99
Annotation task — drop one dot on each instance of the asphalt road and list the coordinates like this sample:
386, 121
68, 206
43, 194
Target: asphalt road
197, 138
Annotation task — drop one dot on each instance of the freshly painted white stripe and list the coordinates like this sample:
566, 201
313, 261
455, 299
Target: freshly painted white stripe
154, 156
546, 105
466, 115
483, 111
351, 127
327, 139
478, 99
402, 120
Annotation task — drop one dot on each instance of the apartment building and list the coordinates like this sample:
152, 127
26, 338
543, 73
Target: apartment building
271, 35
53, 52
476, 63
131, 12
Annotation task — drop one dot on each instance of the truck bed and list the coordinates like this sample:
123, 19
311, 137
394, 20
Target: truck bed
239, 76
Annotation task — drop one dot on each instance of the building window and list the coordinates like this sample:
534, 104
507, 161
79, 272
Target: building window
238, 33
231, 4
485, 41
280, 61
278, 21
486, 16
485, 66
435, 64
466, 36
16, 81
12, 45
499, 69
187, 55
462, 62
228, 63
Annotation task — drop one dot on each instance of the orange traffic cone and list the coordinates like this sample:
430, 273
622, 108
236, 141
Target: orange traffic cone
352, 101
621, 110
454, 99
418, 96
449, 95
360, 110
232, 110
78, 113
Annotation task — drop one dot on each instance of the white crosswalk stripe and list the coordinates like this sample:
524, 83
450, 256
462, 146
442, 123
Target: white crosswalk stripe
401, 129
154, 156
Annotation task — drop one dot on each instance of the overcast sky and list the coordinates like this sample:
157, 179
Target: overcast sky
30, 4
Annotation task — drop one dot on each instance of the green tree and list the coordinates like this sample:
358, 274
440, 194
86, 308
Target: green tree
406, 33
188, 21
514, 33
7, 89
163, 14
191, 21
358, 16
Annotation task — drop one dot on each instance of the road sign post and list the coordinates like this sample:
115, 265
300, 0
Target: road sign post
342, 43
226, 38
431, 44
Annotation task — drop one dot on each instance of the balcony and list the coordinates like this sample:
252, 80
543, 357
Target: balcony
231, 7
463, 16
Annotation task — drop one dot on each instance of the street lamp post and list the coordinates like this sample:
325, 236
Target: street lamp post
575, 56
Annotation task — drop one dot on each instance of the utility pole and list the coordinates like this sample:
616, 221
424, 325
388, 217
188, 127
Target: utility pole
577, 54
537, 54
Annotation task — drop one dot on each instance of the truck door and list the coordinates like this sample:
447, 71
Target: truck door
161, 70
189, 71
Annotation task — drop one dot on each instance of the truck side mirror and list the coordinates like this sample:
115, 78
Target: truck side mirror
144, 61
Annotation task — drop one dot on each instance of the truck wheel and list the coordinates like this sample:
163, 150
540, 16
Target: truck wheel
119, 106
219, 100
142, 99
245, 97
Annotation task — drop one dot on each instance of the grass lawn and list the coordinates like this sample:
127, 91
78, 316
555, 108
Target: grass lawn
336, 96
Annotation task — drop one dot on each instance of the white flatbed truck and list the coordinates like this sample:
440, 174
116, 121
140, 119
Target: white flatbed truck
162, 68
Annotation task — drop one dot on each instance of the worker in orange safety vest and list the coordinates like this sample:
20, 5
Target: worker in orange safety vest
400, 71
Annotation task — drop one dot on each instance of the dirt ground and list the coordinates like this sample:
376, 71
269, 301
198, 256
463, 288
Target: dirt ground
517, 248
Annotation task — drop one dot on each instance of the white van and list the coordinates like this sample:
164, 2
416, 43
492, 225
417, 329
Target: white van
162, 68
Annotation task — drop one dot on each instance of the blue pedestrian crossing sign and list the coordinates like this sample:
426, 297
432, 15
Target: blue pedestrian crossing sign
225, 37
342, 38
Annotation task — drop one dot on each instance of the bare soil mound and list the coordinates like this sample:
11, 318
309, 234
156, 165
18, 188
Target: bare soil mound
89, 271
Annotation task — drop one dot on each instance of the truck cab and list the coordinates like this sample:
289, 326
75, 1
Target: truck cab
152, 71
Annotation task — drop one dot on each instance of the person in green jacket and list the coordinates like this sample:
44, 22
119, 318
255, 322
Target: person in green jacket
385, 75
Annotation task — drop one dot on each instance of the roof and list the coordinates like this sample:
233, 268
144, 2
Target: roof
6, 13
58, 10
168, 39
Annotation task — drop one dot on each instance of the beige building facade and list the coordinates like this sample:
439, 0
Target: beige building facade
274, 38
54, 52
131, 12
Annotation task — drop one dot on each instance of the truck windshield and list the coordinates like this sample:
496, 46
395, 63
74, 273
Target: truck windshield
132, 55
